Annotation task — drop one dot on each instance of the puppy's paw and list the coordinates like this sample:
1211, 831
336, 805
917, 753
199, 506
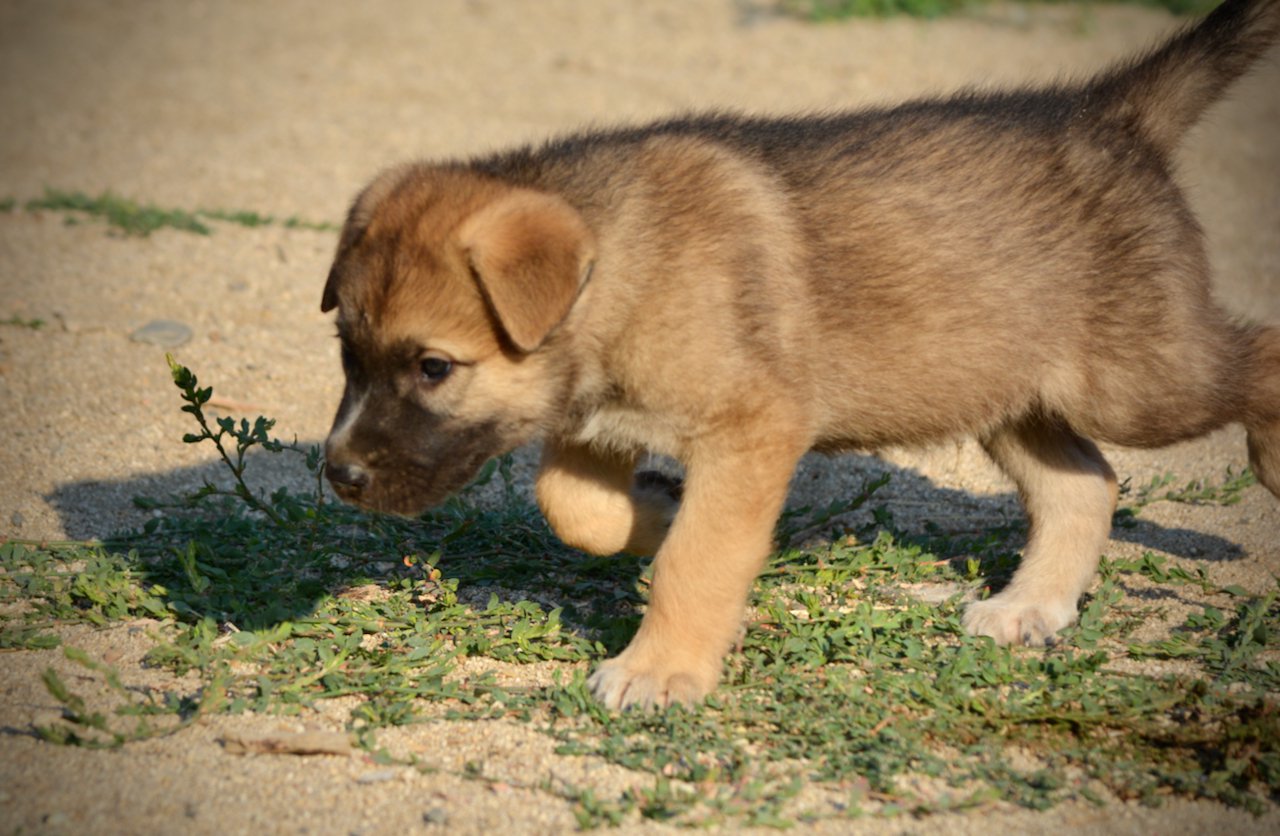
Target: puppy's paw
640, 680
1014, 619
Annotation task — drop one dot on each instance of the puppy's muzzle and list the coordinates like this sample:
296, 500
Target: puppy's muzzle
349, 481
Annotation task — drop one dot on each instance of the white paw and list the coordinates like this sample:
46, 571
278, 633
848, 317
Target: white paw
1014, 619
625, 681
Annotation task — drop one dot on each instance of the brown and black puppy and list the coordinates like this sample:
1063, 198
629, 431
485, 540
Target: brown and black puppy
734, 291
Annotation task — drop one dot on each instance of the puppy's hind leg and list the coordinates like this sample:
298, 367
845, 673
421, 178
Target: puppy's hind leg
1069, 493
593, 503
1262, 418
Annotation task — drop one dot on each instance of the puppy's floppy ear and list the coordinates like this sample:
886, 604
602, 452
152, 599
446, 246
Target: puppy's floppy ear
353, 230
351, 233
530, 252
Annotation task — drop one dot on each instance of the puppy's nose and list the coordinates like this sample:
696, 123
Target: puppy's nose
351, 476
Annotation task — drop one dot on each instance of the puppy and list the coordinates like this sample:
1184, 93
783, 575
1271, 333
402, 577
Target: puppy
734, 291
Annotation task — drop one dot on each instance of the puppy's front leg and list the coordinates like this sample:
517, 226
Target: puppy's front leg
593, 502
701, 577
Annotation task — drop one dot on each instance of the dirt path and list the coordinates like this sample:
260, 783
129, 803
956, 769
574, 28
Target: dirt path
285, 109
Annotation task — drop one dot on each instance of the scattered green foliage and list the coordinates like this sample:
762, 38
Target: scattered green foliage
1195, 492
123, 214
294, 222
94, 729
132, 218
7, 205
23, 322
855, 691
242, 217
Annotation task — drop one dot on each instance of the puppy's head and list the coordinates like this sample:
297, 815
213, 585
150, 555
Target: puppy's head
451, 289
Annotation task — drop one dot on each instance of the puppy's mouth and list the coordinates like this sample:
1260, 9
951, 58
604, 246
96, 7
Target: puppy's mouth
406, 475
405, 489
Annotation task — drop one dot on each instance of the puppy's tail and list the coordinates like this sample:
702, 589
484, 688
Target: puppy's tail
1262, 411
1165, 91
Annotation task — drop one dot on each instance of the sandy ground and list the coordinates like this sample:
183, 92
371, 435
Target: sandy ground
286, 108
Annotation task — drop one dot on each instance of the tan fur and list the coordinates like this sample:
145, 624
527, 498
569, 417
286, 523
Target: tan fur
735, 291
1069, 492
529, 252
591, 500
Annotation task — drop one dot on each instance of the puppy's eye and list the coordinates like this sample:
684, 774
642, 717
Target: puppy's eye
435, 369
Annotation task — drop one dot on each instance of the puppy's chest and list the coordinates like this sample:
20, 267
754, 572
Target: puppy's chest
627, 428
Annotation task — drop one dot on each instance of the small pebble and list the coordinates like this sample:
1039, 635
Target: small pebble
16, 519
56, 820
165, 333
436, 815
